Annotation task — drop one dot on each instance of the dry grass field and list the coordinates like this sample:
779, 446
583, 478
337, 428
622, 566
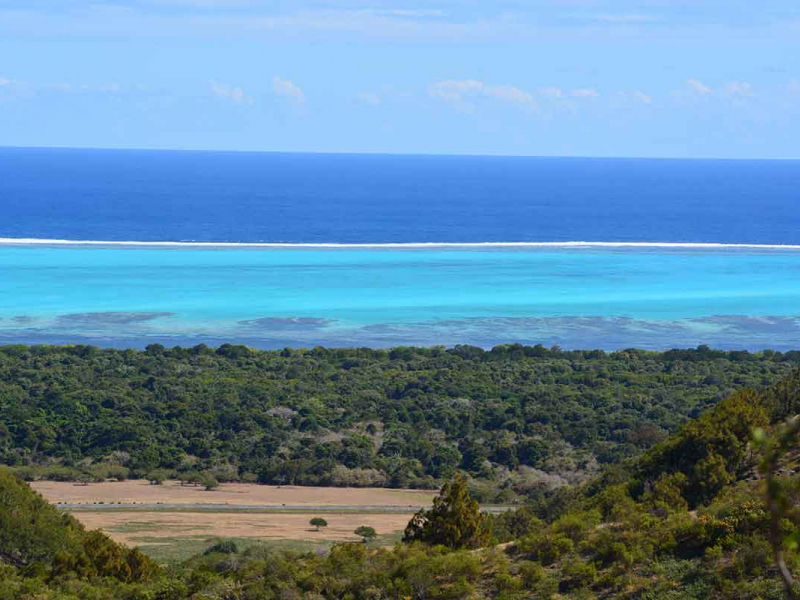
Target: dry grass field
172, 492
166, 521
127, 526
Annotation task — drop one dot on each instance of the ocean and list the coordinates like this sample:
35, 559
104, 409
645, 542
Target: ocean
127, 248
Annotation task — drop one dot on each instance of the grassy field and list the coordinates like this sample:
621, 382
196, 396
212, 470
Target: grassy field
172, 492
166, 522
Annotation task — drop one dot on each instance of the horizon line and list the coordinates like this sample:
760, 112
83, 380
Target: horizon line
6, 241
386, 153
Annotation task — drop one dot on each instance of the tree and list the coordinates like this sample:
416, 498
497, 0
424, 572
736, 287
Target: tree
119, 473
454, 521
318, 522
222, 547
782, 496
157, 477
366, 533
209, 482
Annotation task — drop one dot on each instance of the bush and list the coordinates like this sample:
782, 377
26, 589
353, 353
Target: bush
576, 574
366, 533
222, 547
545, 548
209, 482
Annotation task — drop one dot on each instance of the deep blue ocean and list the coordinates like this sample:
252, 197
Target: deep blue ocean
589, 296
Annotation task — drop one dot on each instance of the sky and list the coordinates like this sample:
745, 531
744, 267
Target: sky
639, 78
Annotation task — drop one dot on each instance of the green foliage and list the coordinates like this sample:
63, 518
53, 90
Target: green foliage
37, 540
667, 493
31, 531
318, 522
209, 482
157, 477
222, 547
367, 534
407, 417
660, 527
713, 450
454, 521
546, 547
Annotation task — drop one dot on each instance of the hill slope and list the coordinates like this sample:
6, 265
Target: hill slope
685, 521
521, 417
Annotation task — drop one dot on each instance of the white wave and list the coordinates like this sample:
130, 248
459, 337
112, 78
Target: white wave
327, 245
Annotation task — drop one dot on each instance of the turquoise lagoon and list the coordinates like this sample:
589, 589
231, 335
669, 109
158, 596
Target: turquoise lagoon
576, 297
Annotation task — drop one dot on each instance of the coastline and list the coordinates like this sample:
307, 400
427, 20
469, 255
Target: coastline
4, 241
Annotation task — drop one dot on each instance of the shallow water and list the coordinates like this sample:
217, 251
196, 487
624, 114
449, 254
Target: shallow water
574, 297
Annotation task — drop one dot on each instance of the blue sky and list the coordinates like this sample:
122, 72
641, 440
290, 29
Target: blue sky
684, 78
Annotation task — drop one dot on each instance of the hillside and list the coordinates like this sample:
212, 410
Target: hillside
687, 520
520, 419
39, 544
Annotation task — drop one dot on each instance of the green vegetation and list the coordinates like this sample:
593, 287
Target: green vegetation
222, 547
318, 522
702, 514
520, 421
455, 521
367, 534
38, 542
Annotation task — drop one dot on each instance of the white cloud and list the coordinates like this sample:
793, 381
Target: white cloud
738, 88
103, 87
510, 93
287, 89
455, 90
552, 92
585, 93
412, 13
631, 18
635, 96
458, 92
4, 81
369, 98
699, 87
234, 94
224, 4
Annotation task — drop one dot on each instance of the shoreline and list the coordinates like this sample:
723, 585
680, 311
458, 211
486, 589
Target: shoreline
5, 241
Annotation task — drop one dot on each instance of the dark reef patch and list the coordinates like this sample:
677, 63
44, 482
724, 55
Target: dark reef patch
288, 323
129, 329
108, 318
766, 324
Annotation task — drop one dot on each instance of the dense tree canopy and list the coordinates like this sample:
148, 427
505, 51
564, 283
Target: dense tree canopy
519, 417
690, 519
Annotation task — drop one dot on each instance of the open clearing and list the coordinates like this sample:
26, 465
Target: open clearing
248, 494
171, 522
130, 527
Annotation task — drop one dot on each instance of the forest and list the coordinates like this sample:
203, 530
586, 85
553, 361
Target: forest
709, 512
520, 421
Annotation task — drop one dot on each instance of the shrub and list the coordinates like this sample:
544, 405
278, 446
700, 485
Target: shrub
545, 548
209, 482
222, 547
454, 521
576, 574
367, 534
